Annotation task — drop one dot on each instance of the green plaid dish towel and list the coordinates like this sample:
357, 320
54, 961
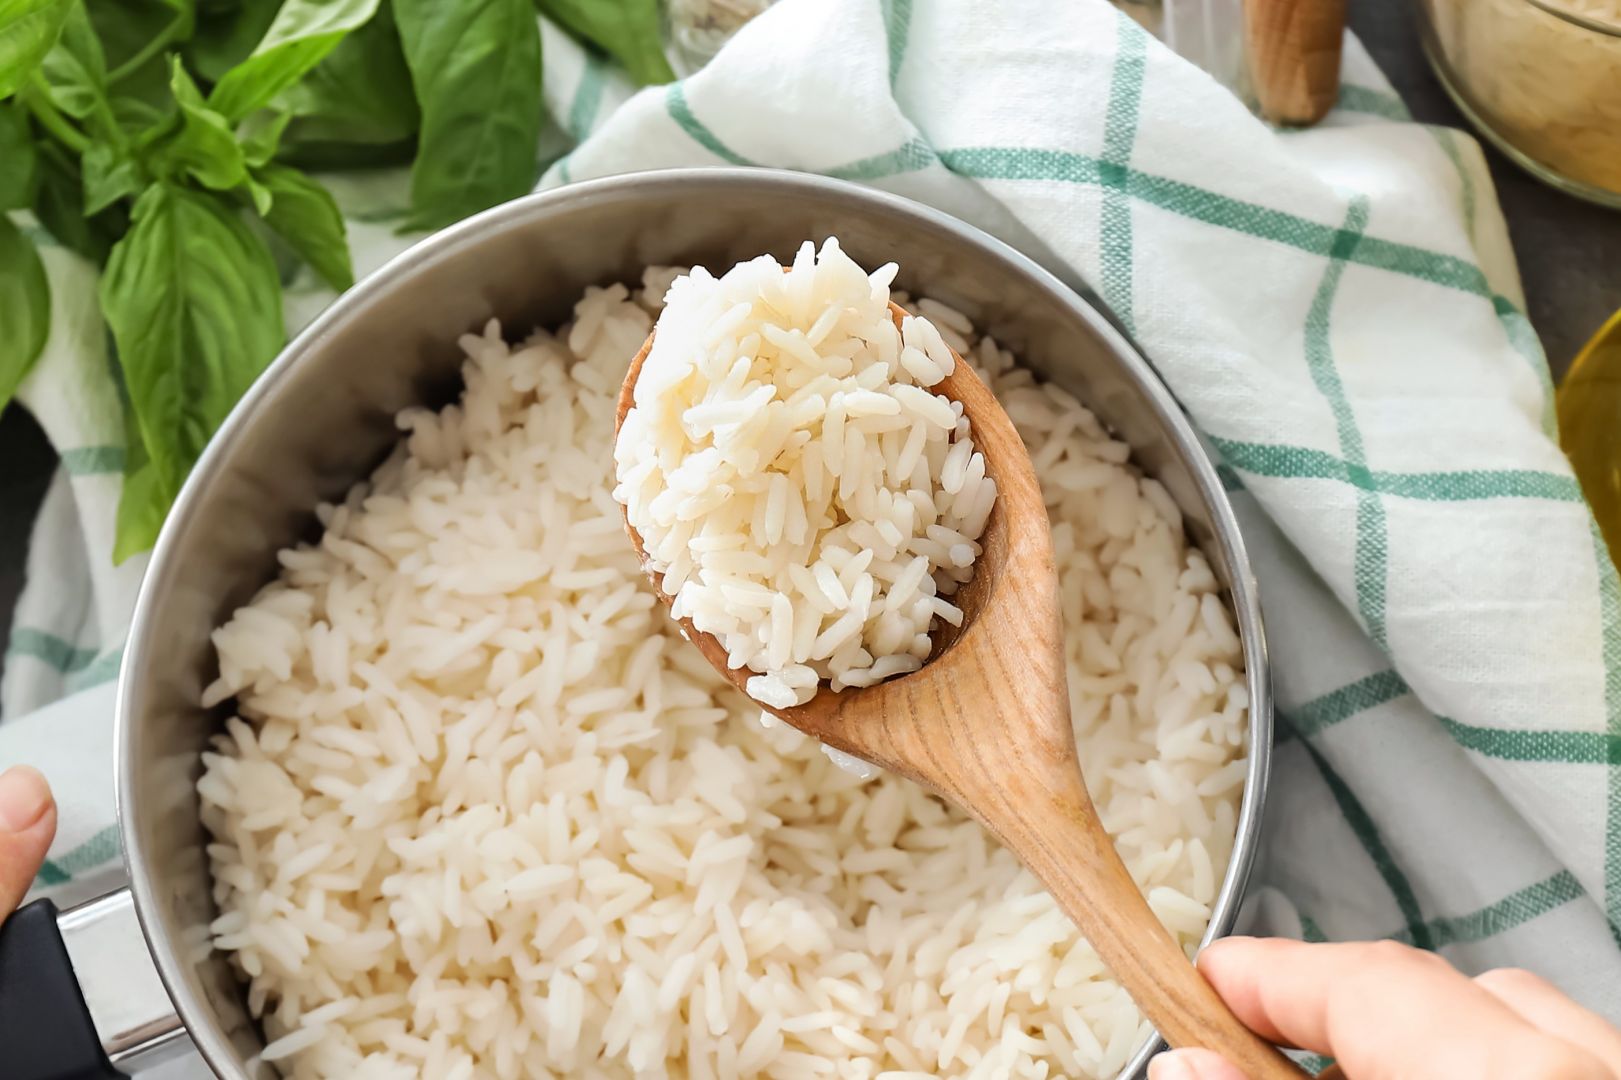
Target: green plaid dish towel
1337, 309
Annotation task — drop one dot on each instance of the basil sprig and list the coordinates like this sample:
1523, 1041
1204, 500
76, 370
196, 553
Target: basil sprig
165, 141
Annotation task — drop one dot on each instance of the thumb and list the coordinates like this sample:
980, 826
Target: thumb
27, 824
1192, 1064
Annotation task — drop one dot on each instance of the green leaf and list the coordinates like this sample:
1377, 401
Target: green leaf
59, 203
59, 206
204, 146
337, 156
145, 499
25, 308
302, 213
359, 95
75, 70
28, 29
135, 32
109, 175
226, 35
261, 197
19, 177
144, 118
193, 302
631, 31
304, 31
260, 135
476, 69
134, 41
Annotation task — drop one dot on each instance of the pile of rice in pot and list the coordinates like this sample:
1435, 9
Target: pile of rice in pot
481, 813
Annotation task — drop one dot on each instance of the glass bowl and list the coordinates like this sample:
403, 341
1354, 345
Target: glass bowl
1541, 79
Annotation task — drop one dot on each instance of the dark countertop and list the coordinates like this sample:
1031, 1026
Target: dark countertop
1569, 252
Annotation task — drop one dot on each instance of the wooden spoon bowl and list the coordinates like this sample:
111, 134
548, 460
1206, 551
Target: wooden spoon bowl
986, 723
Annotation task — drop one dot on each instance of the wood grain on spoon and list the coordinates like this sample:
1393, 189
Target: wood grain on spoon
986, 723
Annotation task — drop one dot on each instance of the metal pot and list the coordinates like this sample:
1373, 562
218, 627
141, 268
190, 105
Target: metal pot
322, 416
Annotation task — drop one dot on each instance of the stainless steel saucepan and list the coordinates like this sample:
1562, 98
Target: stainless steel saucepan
321, 418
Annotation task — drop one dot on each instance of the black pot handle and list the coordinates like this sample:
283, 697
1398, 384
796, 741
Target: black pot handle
46, 1032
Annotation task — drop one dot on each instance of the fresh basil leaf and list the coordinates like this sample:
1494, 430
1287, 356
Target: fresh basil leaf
59, 206
59, 203
19, 178
25, 308
302, 213
260, 135
75, 70
145, 499
631, 31
203, 146
226, 34
335, 156
304, 31
142, 117
28, 29
133, 32
109, 175
259, 195
476, 69
359, 95
194, 304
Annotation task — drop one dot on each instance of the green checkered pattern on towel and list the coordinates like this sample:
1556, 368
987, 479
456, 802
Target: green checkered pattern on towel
1337, 310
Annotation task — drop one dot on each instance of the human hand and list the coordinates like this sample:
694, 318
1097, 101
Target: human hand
1385, 1011
27, 825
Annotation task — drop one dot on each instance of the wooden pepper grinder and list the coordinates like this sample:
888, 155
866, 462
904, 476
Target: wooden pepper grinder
1293, 52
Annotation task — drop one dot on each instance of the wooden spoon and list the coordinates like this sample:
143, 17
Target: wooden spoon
986, 724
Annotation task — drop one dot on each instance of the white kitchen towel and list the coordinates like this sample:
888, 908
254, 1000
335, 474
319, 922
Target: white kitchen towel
1337, 309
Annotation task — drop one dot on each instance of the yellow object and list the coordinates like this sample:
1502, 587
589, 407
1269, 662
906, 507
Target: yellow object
1589, 402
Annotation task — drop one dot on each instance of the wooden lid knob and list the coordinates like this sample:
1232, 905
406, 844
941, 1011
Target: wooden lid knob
1293, 51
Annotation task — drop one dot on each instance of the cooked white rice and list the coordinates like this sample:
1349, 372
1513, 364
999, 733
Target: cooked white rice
485, 814
807, 500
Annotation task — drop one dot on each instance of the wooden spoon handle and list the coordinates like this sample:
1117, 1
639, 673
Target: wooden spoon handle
1293, 49
1065, 846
